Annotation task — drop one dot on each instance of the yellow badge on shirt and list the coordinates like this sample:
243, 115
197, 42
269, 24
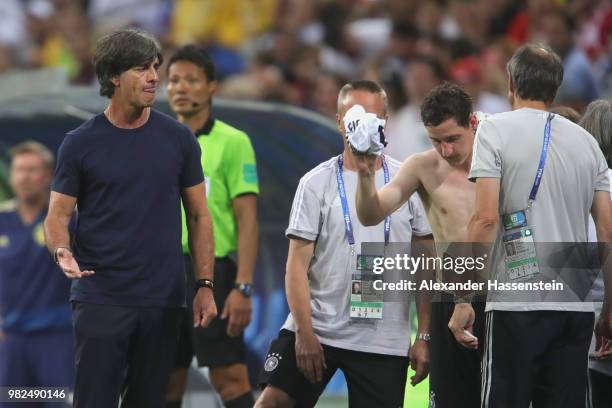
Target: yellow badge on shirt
39, 234
4, 241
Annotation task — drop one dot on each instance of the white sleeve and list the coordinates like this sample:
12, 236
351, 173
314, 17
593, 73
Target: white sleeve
486, 154
305, 218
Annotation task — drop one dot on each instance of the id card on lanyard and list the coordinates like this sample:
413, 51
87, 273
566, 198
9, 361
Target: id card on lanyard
365, 302
521, 260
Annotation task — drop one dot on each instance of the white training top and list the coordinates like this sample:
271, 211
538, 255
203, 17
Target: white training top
508, 146
317, 216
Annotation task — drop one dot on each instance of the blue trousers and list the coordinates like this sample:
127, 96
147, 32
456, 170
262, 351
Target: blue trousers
40, 359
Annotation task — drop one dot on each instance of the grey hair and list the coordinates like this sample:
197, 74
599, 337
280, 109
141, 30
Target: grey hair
536, 72
597, 120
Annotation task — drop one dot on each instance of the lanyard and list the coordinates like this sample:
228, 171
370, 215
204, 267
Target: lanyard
345, 208
538, 178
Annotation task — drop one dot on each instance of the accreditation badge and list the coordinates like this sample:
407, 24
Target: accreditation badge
520, 254
365, 301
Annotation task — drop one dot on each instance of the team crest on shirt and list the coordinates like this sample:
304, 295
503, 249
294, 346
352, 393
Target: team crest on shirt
4, 241
39, 234
272, 360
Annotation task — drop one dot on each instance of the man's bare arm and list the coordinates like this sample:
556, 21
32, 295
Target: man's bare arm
483, 225
373, 206
238, 307
482, 231
57, 237
419, 352
296, 282
201, 248
245, 208
199, 228
308, 351
61, 208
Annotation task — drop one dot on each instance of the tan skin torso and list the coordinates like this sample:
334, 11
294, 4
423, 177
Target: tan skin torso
448, 197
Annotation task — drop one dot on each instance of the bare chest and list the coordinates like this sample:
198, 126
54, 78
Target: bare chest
448, 197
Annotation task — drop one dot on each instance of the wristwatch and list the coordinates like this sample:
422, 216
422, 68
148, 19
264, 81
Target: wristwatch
204, 283
245, 288
423, 336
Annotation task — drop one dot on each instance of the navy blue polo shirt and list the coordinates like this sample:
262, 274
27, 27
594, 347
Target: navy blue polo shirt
127, 183
34, 292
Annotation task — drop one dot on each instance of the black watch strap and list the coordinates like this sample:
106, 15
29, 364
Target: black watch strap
204, 283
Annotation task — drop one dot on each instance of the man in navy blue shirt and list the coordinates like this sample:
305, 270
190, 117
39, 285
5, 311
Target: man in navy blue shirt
36, 348
126, 170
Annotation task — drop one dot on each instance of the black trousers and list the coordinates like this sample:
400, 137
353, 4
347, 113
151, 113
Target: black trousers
454, 371
600, 390
123, 351
536, 359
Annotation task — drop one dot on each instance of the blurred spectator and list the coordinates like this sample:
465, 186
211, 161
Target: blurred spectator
228, 23
262, 81
493, 66
36, 349
467, 73
603, 67
326, 90
6, 59
12, 23
578, 88
348, 39
403, 42
150, 15
405, 131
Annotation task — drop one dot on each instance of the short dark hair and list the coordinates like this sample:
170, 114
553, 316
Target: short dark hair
362, 85
120, 51
446, 101
197, 56
536, 72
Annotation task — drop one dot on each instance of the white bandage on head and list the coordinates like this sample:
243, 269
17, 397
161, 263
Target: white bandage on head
364, 131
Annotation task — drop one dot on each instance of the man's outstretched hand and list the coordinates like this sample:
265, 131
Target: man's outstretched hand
69, 265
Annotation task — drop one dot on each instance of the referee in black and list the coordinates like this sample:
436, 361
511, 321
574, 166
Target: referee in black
127, 169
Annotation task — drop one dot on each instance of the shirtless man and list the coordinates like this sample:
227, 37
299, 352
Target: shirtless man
440, 177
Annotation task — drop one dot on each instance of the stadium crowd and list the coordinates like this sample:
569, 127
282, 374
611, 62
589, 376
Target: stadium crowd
302, 51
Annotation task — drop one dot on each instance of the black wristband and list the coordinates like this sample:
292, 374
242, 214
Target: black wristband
204, 283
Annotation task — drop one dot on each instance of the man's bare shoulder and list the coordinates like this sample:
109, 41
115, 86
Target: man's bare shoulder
423, 160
